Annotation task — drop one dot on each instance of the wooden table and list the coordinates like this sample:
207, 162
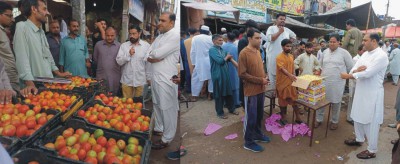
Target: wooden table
271, 96
314, 108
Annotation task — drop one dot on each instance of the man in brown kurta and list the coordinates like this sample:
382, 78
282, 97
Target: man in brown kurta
286, 93
251, 71
105, 54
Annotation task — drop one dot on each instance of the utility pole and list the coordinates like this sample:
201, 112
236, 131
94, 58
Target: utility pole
386, 19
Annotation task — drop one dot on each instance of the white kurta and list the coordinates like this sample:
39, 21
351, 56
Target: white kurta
201, 60
394, 58
369, 92
134, 70
308, 63
164, 91
274, 48
352, 82
199, 56
334, 63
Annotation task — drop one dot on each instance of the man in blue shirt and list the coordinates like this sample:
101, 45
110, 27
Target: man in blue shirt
232, 49
74, 55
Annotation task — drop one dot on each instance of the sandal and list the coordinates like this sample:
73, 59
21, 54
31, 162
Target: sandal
157, 133
333, 126
175, 155
352, 142
234, 113
366, 155
159, 145
317, 124
223, 117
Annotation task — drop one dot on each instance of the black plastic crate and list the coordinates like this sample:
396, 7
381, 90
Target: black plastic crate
11, 144
16, 143
27, 155
76, 124
145, 112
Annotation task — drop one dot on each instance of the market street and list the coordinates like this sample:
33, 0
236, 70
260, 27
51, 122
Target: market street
216, 149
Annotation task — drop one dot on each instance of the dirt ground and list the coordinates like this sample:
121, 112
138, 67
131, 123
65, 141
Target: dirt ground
215, 149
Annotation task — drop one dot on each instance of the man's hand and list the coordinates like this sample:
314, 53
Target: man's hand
346, 76
65, 74
361, 68
176, 80
88, 65
281, 29
28, 90
132, 51
292, 77
6, 96
265, 81
228, 57
151, 60
98, 24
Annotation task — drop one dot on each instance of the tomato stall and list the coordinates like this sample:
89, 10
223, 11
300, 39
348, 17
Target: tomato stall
76, 122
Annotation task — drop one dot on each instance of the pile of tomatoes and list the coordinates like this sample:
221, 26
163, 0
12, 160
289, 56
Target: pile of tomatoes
95, 148
119, 102
51, 100
19, 120
121, 119
76, 82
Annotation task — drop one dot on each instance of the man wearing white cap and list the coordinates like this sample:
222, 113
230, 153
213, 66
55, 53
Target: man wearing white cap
223, 30
201, 61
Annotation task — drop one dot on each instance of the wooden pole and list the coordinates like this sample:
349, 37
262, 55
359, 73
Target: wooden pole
369, 14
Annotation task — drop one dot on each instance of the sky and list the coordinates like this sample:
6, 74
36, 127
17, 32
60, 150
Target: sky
379, 6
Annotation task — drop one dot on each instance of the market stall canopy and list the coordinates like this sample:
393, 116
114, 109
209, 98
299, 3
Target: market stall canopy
214, 7
303, 30
391, 31
338, 17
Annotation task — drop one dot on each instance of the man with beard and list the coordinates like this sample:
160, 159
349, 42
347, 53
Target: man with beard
285, 76
74, 55
201, 62
275, 35
131, 57
33, 57
105, 53
307, 63
54, 39
251, 71
368, 104
6, 53
219, 60
163, 55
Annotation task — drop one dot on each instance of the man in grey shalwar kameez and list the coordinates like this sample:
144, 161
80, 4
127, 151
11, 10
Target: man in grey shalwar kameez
335, 61
105, 53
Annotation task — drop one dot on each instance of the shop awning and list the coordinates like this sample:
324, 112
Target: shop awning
359, 14
213, 6
391, 31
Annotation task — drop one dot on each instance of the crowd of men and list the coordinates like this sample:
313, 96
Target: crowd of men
236, 70
133, 64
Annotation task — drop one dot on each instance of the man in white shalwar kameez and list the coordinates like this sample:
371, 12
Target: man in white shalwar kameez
352, 85
335, 61
163, 55
201, 61
367, 109
275, 35
394, 65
